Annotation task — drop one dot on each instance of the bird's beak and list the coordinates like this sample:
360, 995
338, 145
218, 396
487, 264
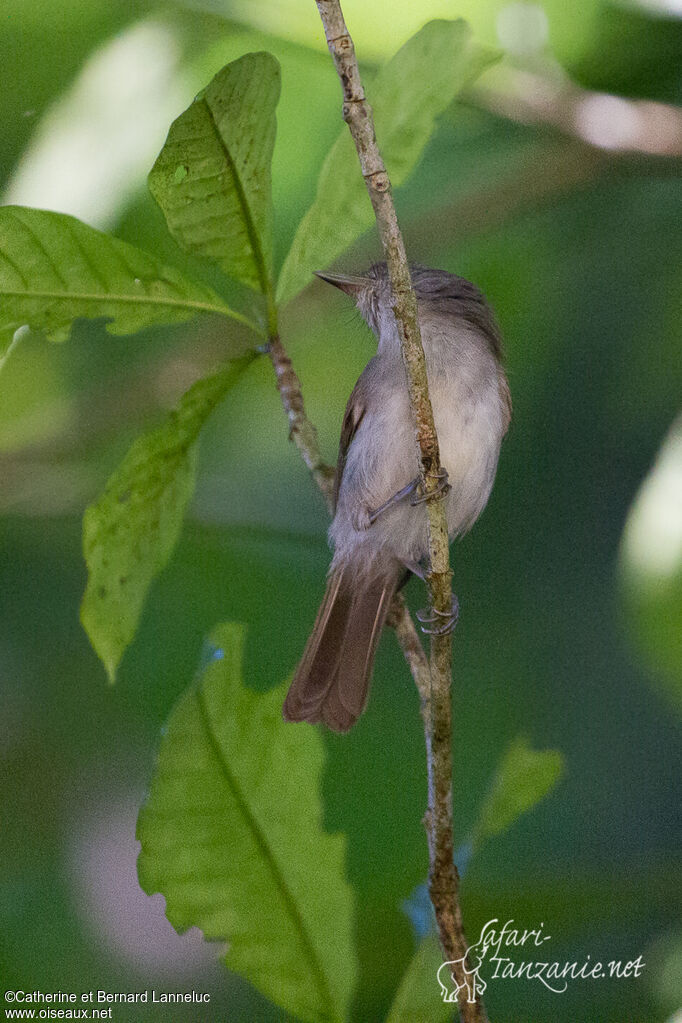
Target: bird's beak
349, 283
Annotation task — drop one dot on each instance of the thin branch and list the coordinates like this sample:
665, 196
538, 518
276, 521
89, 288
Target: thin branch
301, 430
443, 878
609, 123
399, 619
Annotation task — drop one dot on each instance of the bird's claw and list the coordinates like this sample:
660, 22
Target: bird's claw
443, 622
442, 487
412, 491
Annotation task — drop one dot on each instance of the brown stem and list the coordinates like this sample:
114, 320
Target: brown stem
301, 430
443, 878
399, 619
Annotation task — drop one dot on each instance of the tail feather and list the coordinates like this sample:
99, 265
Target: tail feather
333, 713
365, 624
322, 651
332, 681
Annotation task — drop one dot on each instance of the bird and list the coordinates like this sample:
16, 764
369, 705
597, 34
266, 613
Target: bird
379, 529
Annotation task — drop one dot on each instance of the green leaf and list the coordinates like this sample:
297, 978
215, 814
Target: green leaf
55, 269
212, 178
524, 777
418, 997
232, 836
129, 533
407, 96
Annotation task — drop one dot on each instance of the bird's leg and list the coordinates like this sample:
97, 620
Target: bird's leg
399, 496
411, 490
441, 622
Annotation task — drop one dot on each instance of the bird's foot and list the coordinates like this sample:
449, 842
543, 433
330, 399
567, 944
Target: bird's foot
439, 623
366, 517
442, 487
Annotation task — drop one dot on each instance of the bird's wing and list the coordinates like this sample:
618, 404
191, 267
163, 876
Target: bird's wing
505, 396
355, 410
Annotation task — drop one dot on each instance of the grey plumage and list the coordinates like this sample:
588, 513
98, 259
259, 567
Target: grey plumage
377, 458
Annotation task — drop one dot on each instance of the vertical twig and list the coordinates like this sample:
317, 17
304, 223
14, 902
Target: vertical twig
443, 878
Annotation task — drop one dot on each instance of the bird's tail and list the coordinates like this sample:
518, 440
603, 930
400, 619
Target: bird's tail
332, 681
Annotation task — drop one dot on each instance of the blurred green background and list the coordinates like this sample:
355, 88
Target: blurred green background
554, 185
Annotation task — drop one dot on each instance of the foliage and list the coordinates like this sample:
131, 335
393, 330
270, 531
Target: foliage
406, 100
235, 843
524, 777
572, 242
288, 920
54, 269
212, 178
212, 182
235, 840
418, 997
130, 532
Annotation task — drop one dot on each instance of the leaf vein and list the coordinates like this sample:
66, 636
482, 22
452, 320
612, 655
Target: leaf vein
251, 230
268, 854
205, 307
